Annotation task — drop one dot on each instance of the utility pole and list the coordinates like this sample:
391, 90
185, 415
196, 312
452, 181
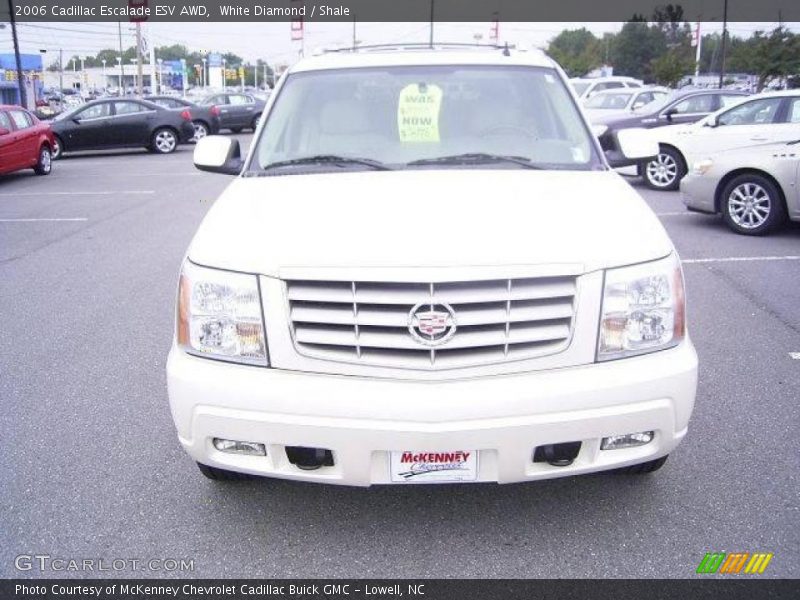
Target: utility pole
724, 43
354, 33
139, 60
698, 40
121, 68
23, 97
60, 71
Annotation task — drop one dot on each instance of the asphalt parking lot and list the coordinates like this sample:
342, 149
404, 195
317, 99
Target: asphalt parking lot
88, 265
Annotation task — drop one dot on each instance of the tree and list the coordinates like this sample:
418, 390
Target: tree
770, 56
578, 51
635, 47
669, 68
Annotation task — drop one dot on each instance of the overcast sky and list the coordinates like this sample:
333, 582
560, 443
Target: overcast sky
272, 41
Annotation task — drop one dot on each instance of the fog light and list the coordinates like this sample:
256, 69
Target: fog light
237, 447
628, 440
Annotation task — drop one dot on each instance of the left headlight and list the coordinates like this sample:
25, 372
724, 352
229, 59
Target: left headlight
644, 309
219, 315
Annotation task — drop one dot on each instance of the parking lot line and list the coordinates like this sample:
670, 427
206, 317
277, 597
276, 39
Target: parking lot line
683, 213
108, 193
694, 261
38, 220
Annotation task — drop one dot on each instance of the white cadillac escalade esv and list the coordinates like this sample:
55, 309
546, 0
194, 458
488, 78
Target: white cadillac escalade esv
425, 272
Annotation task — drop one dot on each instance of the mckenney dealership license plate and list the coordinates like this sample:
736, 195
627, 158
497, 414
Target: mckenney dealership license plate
434, 467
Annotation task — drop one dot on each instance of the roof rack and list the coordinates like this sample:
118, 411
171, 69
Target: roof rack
424, 46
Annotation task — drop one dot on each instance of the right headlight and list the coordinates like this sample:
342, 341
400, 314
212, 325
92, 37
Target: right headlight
219, 315
644, 309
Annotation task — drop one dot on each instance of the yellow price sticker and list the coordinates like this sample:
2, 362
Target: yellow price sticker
418, 113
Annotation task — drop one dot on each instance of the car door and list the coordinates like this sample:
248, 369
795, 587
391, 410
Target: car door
130, 124
25, 141
242, 108
226, 118
750, 123
10, 155
89, 128
688, 110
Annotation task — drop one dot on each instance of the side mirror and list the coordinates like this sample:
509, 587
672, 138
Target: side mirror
712, 121
76, 120
669, 112
218, 154
637, 143
4, 131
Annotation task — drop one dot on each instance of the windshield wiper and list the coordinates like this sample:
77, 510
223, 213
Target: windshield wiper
330, 158
475, 158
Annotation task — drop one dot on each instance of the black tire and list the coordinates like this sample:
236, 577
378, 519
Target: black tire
164, 141
221, 474
643, 468
664, 173
45, 163
201, 130
254, 122
236, 129
58, 148
751, 204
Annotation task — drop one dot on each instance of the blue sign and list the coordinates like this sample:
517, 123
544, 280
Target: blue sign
215, 59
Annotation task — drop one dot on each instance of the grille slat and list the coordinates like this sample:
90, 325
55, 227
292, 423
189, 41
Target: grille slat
368, 322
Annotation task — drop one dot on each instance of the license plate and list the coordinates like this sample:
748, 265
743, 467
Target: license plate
415, 466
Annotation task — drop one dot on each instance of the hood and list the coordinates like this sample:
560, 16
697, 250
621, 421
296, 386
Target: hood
428, 218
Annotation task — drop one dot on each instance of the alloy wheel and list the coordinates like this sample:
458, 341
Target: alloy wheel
662, 171
749, 205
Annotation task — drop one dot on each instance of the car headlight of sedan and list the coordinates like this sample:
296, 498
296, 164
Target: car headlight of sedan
219, 315
644, 309
701, 167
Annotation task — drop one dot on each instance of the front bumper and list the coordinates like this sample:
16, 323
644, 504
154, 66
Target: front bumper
502, 417
698, 191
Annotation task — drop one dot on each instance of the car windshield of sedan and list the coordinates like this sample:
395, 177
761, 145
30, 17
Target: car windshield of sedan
609, 101
418, 116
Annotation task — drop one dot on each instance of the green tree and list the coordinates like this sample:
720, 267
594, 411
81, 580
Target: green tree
578, 51
669, 68
769, 56
635, 47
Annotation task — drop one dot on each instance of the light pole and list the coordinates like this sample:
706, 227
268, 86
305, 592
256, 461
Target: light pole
105, 83
224, 75
203, 79
23, 99
121, 76
160, 76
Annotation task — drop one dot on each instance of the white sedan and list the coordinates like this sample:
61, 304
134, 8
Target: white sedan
755, 188
766, 118
620, 102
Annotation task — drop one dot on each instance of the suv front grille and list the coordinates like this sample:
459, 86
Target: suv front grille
368, 323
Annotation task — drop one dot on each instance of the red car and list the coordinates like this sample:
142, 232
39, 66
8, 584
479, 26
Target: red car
25, 141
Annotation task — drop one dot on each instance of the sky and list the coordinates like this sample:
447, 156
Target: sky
272, 41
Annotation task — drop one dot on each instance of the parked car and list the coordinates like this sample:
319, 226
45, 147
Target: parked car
121, 123
761, 119
25, 141
588, 86
615, 103
755, 188
683, 106
204, 118
238, 111
363, 316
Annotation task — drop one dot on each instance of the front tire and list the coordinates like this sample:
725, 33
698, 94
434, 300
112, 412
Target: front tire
200, 130
254, 124
45, 163
58, 148
665, 171
216, 474
752, 205
164, 141
236, 130
643, 468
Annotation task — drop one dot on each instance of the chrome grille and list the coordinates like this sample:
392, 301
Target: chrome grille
497, 320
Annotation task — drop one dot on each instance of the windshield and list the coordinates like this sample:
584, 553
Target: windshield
395, 116
656, 104
580, 88
616, 100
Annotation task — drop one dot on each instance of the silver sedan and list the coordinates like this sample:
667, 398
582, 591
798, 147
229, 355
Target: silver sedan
755, 188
